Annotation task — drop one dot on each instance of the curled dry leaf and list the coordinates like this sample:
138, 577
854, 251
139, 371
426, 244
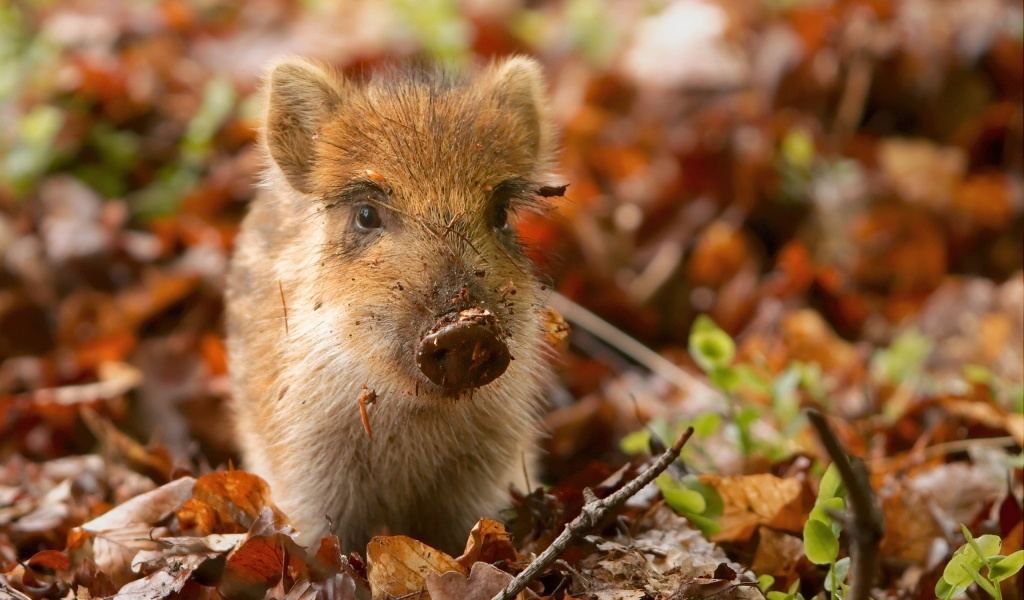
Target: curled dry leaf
113, 539
162, 582
261, 560
398, 566
488, 542
555, 327
752, 500
227, 502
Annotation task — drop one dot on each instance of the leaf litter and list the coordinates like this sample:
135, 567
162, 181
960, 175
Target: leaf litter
837, 187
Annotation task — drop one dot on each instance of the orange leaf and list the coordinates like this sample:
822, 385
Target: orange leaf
752, 500
488, 542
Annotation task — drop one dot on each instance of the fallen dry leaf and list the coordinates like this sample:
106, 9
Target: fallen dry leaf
398, 565
910, 528
113, 539
777, 555
262, 559
657, 561
488, 542
752, 500
162, 582
227, 502
483, 583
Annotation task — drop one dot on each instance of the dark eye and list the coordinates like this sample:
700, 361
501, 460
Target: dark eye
367, 217
500, 219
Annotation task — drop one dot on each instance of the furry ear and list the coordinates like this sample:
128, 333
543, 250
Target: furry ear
301, 96
518, 85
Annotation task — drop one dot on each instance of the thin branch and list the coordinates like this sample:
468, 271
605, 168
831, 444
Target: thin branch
866, 527
621, 341
593, 513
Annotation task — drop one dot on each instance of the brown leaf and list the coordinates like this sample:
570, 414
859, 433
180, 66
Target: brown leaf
398, 565
909, 531
49, 559
488, 542
227, 502
752, 500
164, 582
555, 328
483, 583
115, 537
778, 554
262, 559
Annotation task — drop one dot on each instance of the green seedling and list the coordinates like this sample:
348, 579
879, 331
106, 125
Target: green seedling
822, 530
969, 560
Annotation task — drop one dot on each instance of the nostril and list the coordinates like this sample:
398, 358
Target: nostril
463, 351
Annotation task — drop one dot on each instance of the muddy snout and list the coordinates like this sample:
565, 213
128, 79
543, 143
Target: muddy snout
463, 351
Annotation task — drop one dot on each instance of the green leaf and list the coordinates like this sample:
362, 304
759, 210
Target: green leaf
219, 99
715, 506
798, 149
838, 572
977, 374
958, 569
1006, 567
820, 545
985, 546
903, 358
983, 583
831, 484
637, 442
945, 590
822, 509
726, 379
679, 497
706, 424
710, 346
33, 150
706, 525
765, 582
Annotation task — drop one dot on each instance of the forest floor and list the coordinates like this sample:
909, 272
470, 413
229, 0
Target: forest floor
796, 205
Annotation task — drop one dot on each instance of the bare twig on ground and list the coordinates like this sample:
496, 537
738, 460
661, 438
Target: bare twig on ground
621, 341
593, 512
866, 527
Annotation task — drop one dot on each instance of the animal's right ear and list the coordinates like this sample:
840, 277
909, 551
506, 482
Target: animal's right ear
301, 96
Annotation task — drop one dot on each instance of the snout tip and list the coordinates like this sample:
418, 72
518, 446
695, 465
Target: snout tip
463, 351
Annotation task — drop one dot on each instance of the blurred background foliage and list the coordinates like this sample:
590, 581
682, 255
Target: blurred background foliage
837, 186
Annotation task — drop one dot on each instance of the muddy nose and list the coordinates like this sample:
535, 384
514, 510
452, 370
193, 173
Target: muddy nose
463, 351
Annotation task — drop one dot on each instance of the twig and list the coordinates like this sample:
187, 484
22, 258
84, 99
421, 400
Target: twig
951, 447
866, 527
593, 512
616, 338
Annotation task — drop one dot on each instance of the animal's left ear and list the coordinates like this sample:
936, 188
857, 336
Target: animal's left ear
518, 85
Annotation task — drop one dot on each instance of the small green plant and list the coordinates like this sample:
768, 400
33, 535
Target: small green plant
821, 532
688, 496
714, 351
699, 502
968, 561
791, 594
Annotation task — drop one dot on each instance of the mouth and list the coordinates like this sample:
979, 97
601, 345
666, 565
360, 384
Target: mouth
463, 350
